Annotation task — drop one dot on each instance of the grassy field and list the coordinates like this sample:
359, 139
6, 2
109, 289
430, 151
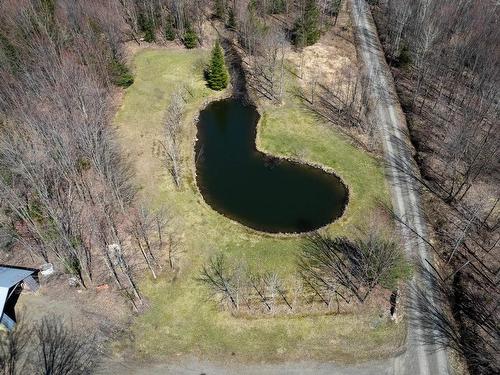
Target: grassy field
180, 320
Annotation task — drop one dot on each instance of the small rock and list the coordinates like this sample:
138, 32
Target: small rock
73, 282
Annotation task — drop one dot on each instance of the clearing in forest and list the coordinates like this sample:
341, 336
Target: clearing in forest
181, 320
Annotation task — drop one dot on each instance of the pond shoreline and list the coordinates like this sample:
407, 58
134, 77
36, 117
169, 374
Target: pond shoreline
239, 90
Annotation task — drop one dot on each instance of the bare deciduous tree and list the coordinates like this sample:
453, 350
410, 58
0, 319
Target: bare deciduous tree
479, 342
338, 266
171, 142
219, 279
48, 346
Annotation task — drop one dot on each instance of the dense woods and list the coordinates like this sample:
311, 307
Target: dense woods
67, 195
446, 62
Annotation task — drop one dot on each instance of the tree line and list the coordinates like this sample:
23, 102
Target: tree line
446, 64
66, 190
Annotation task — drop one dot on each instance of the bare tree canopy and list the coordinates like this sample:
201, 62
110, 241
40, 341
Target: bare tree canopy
67, 190
343, 267
48, 346
446, 65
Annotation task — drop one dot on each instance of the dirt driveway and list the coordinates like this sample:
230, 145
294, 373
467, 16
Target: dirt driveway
196, 367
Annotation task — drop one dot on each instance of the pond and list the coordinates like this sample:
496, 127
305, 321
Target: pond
262, 192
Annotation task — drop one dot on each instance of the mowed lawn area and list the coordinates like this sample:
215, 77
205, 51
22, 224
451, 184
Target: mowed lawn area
180, 319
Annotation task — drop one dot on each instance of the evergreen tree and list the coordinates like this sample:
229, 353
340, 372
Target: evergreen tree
231, 20
120, 74
217, 75
190, 38
169, 30
149, 33
147, 26
307, 30
220, 11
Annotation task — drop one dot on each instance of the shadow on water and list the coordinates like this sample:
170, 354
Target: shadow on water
262, 192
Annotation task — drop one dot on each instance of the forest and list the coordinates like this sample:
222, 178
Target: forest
445, 59
72, 193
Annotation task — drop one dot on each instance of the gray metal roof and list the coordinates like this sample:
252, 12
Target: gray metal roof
10, 276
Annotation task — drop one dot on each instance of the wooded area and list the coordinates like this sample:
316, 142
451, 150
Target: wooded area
67, 194
445, 58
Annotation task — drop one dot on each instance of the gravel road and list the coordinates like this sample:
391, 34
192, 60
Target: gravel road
387, 114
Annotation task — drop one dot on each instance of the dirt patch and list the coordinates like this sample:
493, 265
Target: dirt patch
99, 310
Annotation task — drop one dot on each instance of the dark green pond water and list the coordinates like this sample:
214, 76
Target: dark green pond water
261, 192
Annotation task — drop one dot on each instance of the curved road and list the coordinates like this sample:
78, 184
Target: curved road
387, 114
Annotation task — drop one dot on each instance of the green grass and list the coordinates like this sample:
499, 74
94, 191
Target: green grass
181, 320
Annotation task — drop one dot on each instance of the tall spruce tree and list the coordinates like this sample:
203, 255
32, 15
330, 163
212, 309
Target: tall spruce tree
307, 29
190, 38
217, 75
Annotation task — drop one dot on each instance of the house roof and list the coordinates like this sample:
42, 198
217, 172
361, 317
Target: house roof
10, 276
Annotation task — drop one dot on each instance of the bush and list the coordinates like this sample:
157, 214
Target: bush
217, 75
190, 38
120, 74
277, 6
169, 31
